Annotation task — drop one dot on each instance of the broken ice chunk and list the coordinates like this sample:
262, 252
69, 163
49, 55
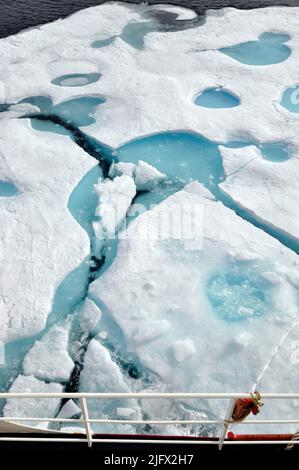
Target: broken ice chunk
49, 359
115, 197
103, 334
125, 412
69, 410
243, 338
32, 407
147, 176
90, 316
183, 348
122, 168
101, 374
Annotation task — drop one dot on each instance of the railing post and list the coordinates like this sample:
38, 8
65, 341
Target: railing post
84, 408
227, 422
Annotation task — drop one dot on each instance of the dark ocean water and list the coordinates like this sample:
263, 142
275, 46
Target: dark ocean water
16, 15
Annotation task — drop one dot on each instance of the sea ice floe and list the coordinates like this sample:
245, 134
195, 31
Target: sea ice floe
34, 261
101, 374
32, 407
48, 359
171, 69
181, 279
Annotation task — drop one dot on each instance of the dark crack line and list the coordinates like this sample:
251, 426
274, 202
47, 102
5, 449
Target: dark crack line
80, 139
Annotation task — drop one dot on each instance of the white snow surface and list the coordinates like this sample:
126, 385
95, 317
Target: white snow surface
268, 189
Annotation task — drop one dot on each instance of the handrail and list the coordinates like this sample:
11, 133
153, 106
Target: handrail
279, 396
87, 421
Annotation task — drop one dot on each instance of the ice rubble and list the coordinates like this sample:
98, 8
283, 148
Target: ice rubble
146, 177
115, 197
268, 189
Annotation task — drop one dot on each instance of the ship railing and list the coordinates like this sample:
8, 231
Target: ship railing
90, 437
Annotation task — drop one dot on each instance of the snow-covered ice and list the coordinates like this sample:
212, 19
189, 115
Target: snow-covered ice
225, 353
34, 262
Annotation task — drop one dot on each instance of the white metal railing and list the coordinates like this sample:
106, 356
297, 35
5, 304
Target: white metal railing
90, 438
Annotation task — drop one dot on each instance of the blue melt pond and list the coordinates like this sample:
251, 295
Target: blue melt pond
269, 49
8, 189
103, 42
183, 156
78, 112
216, 98
275, 152
239, 292
290, 99
76, 79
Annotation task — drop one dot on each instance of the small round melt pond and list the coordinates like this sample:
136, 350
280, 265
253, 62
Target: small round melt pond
8, 189
239, 292
76, 79
290, 99
216, 98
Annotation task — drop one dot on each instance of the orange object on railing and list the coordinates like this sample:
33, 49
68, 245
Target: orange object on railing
245, 406
258, 437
